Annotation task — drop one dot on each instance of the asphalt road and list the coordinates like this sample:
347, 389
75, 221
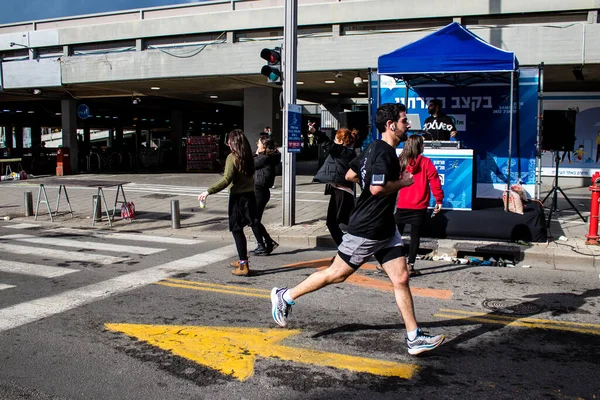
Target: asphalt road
168, 320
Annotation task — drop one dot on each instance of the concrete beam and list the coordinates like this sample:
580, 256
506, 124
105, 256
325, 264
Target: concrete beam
532, 45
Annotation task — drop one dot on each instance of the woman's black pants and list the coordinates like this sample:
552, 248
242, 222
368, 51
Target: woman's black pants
416, 219
260, 232
341, 204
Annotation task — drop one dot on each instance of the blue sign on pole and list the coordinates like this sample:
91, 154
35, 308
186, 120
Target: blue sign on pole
83, 111
294, 128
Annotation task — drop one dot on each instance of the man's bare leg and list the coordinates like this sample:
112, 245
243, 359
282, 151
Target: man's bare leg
337, 272
397, 271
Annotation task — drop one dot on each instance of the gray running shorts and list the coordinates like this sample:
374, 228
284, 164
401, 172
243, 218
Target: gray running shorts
356, 251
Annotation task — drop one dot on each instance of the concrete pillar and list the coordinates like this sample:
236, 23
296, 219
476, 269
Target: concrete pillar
177, 137
36, 135
110, 137
18, 150
335, 30
335, 110
261, 109
118, 144
86, 133
138, 142
148, 137
69, 130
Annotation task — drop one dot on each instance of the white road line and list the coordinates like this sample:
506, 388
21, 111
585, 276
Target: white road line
3, 286
34, 310
54, 241
22, 226
135, 237
43, 271
60, 254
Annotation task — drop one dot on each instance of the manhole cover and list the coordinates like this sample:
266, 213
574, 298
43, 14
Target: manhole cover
158, 196
511, 306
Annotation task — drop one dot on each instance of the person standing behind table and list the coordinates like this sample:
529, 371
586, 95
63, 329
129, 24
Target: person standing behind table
439, 125
333, 172
413, 200
266, 158
239, 172
371, 231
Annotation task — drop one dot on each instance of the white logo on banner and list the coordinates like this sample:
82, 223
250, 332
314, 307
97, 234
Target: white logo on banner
460, 122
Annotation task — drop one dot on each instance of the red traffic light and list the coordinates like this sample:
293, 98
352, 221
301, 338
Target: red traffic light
273, 56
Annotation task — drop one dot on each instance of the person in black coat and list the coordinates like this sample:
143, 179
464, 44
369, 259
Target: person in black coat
333, 172
265, 160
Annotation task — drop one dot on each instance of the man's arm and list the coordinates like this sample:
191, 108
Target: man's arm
352, 176
392, 186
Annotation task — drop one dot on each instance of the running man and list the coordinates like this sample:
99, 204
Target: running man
371, 230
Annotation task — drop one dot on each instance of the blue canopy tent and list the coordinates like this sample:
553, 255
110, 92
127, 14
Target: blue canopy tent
453, 56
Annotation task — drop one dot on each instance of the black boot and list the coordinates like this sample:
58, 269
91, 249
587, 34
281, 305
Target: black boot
259, 251
271, 245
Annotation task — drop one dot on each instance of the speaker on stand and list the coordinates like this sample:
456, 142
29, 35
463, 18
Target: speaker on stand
558, 135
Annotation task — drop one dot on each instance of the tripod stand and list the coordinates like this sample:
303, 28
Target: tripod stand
554, 193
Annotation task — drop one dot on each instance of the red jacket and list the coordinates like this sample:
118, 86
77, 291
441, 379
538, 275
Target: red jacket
417, 195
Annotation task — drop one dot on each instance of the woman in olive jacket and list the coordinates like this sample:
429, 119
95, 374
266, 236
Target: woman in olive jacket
333, 172
267, 157
239, 173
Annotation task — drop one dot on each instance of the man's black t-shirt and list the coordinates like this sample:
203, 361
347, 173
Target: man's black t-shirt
373, 216
439, 127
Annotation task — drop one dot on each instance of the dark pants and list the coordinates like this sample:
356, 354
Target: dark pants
341, 204
416, 219
242, 212
240, 243
260, 232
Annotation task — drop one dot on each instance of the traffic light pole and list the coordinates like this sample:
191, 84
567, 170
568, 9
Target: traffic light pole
289, 97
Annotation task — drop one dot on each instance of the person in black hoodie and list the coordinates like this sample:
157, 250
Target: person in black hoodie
265, 160
333, 172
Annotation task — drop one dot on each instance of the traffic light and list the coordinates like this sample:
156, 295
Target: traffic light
273, 68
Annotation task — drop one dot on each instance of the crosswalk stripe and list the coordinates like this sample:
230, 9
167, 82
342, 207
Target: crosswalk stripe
3, 286
130, 236
54, 241
22, 226
43, 271
61, 254
34, 310
196, 190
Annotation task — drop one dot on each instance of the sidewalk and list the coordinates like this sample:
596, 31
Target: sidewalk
153, 193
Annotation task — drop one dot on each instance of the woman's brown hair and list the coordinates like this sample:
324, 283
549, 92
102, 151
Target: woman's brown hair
268, 143
413, 147
346, 136
240, 148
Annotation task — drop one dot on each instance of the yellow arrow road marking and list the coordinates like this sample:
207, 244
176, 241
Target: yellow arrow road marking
233, 351
521, 322
215, 287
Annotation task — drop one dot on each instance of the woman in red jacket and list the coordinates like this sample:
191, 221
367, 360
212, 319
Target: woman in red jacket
413, 200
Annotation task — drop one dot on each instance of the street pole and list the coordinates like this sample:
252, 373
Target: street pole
289, 97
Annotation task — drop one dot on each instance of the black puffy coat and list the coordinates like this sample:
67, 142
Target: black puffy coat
337, 162
264, 169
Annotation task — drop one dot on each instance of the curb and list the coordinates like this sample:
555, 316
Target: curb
539, 256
